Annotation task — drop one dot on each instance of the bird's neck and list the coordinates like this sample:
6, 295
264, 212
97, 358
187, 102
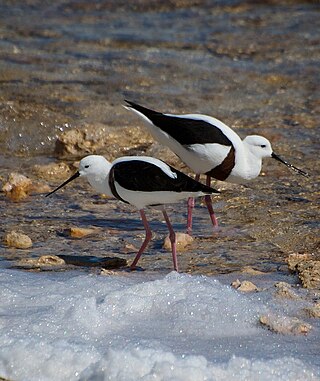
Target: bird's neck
253, 162
100, 181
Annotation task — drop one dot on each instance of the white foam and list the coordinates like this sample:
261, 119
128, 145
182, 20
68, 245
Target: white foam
132, 327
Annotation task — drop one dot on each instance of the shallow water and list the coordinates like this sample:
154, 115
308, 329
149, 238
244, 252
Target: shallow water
69, 64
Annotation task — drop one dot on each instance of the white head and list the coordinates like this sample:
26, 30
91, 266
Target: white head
96, 169
94, 166
258, 146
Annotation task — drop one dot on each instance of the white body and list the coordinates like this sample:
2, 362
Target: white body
97, 169
202, 158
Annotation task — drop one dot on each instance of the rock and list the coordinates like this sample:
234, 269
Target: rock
46, 262
18, 240
129, 248
39, 187
52, 260
284, 290
313, 312
294, 259
285, 325
307, 268
93, 138
53, 170
92, 261
244, 286
76, 232
236, 284
71, 142
182, 241
249, 270
17, 187
109, 272
309, 274
43, 261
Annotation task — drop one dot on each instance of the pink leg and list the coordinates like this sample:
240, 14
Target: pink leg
190, 209
146, 240
209, 205
172, 237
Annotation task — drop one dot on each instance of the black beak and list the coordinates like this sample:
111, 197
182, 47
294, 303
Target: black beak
77, 174
289, 165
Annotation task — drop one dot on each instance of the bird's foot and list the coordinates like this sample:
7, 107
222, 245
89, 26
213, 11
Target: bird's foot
189, 232
135, 268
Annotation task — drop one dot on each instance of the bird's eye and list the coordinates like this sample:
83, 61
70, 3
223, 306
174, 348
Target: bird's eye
87, 166
263, 146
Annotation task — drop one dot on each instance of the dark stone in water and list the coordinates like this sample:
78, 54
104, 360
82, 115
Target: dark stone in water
297, 199
92, 261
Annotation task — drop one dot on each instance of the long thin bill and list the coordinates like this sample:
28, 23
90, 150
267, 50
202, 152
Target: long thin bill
77, 174
289, 165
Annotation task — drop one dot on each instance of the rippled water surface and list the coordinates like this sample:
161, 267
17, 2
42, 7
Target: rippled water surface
254, 65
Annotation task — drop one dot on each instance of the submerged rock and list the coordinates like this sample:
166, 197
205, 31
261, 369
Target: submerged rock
65, 262
251, 271
93, 138
92, 261
129, 248
76, 232
53, 170
18, 240
285, 325
182, 240
72, 142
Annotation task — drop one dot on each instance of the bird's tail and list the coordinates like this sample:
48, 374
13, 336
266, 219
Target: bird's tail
207, 190
142, 110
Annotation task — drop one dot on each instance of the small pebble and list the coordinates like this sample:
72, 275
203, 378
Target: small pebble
285, 325
129, 248
244, 286
18, 240
182, 241
76, 232
107, 272
17, 187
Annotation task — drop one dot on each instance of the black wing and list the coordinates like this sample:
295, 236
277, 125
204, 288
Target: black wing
142, 176
184, 130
